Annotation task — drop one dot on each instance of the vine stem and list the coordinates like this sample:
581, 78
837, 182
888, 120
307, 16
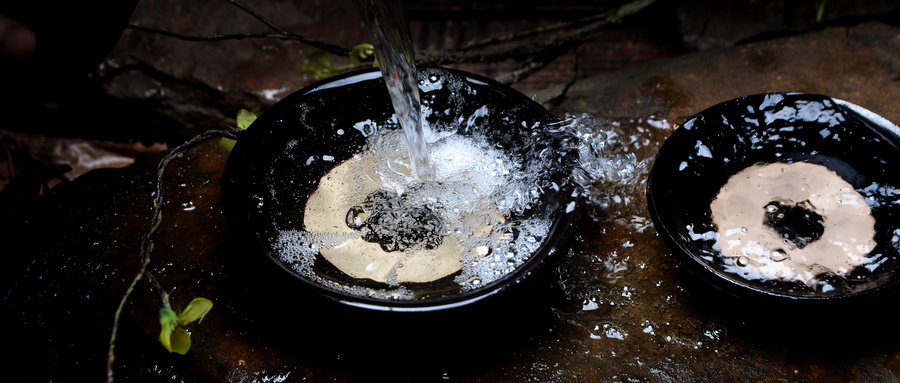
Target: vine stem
147, 241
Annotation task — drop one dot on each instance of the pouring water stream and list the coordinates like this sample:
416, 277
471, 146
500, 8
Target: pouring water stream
389, 30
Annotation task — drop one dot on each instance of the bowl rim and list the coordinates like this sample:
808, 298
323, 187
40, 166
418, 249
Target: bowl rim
559, 233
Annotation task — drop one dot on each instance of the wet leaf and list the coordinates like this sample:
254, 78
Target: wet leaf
361, 53
169, 322
244, 119
195, 310
181, 341
320, 57
226, 143
173, 336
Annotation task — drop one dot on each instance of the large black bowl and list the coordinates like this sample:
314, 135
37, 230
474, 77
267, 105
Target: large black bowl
717, 143
279, 160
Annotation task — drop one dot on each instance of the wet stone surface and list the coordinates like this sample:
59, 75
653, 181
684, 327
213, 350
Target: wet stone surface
616, 306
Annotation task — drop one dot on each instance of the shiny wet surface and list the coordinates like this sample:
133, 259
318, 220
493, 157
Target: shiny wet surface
618, 305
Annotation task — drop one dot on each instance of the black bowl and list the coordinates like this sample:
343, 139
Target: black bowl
704, 153
279, 161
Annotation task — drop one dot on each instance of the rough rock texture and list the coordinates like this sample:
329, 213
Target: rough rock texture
857, 64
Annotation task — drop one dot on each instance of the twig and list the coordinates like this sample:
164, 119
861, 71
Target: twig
557, 98
328, 47
281, 35
588, 32
259, 17
600, 17
529, 68
147, 241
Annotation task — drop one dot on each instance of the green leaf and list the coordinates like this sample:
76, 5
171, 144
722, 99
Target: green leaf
309, 68
169, 322
173, 336
226, 143
820, 11
312, 69
245, 118
195, 310
181, 341
360, 53
320, 57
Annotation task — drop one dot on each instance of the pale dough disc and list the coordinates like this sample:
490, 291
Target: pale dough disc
348, 185
739, 214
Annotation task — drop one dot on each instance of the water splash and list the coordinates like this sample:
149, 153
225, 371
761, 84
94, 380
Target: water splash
609, 168
389, 30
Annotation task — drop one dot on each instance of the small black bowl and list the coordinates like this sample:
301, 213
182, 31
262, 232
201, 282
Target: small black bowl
278, 163
704, 153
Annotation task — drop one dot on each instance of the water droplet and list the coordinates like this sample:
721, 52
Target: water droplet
778, 255
742, 261
744, 230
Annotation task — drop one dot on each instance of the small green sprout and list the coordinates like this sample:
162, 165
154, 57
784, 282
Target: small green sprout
361, 53
318, 63
820, 10
244, 119
173, 335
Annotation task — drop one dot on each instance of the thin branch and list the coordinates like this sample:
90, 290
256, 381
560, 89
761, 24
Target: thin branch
328, 47
530, 67
600, 17
259, 17
588, 32
147, 241
557, 98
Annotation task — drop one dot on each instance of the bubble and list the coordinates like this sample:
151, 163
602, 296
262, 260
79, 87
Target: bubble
481, 251
778, 255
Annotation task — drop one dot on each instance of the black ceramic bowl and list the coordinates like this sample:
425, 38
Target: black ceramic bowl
701, 157
279, 161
